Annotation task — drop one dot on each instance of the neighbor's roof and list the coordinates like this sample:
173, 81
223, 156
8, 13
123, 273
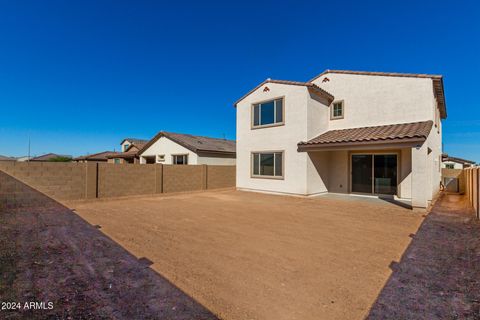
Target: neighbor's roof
4, 158
48, 156
404, 132
135, 141
446, 157
196, 143
123, 155
100, 156
437, 82
310, 85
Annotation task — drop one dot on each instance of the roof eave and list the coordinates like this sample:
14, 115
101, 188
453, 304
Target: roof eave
303, 147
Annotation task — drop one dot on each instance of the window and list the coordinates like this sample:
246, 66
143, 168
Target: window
161, 158
449, 166
268, 113
337, 110
180, 159
267, 164
116, 160
125, 146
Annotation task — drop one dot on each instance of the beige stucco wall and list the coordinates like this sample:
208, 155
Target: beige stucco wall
456, 165
378, 100
168, 148
279, 138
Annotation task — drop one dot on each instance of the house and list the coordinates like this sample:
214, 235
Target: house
96, 157
127, 142
4, 158
50, 157
130, 149
178, 148
449, 162
348, 132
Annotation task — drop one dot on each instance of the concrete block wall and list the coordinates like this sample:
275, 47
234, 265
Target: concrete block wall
65, 181
126, 180
220, 176
184, 178
74, 181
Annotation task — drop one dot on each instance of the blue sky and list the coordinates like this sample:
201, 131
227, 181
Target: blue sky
78, 76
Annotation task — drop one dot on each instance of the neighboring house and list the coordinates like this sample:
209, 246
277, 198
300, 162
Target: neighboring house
368, 133
127, 142
23, 158
96, 157
455, 163
178, 148
51, 157
130, 149
4, 158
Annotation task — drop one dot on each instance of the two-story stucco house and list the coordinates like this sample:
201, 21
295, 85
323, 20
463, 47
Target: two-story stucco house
367, 133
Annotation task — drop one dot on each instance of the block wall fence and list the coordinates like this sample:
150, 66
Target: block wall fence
75, 181
472, 188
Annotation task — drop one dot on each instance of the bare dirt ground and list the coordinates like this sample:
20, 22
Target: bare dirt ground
50, 254
439, 274
238, 255
255, 256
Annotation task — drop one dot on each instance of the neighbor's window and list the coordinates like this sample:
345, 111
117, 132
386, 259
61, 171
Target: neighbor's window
180, 159
449, 166
337, 110
125, 146
116, 160
268, 113
161, 158
267, 164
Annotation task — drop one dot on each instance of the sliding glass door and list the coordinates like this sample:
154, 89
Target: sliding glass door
374, 173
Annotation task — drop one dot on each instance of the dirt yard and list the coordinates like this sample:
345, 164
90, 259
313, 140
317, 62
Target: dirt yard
254, 256
238, 255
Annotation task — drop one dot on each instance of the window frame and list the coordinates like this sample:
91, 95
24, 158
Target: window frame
180, 155
332, 108
259, 176
274, 124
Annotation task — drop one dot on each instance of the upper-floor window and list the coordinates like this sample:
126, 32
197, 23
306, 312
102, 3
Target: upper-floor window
337, 110
125, 146
268, 113
180, 159
449, 166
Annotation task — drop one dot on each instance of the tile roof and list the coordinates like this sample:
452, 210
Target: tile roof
446, 157
5, 158
100, 156
196, 143
310, 85
416, 131
135, 141
48, 156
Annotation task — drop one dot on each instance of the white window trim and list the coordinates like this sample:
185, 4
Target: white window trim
259, 176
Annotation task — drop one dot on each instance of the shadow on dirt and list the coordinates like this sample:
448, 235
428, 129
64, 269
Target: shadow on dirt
61, 258
438, 276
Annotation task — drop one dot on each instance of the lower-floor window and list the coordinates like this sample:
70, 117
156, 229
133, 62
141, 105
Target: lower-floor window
267, 164
180, 159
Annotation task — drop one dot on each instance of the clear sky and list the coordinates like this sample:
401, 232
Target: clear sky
79, 76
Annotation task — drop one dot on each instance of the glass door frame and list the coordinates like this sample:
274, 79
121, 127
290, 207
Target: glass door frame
373, 153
